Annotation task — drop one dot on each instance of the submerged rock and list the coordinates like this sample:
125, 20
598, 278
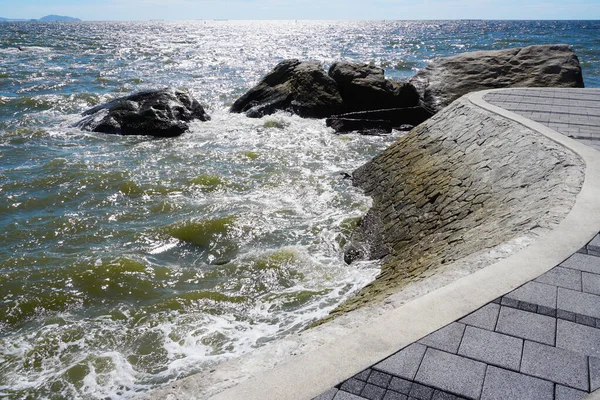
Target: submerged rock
302, 88
445, 80
161, 113
364, 87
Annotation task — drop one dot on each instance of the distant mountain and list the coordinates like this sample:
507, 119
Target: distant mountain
47, 18
58, 18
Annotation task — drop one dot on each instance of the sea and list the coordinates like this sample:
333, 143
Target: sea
129, 262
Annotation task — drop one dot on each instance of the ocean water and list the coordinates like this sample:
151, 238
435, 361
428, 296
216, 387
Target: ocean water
127, 262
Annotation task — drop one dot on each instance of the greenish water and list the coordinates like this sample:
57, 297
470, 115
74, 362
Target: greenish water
129, 262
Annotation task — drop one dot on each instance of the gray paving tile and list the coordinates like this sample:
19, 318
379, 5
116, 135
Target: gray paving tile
380, 379
447, 338
583, 262
528, 306
563, 277
556, 365
439, 395
594, 373
328, 395
508, 302
364, 375
421, 392
390, 395
353, 386
551, 312
591, 283
594, 244
565, 393
484, 318
569, 316
404, 363
579, 302
585, 320
501, 384
400, 385
341, 395
535, 293
578, 338
373, 392
526, 325
491, 348
451, 373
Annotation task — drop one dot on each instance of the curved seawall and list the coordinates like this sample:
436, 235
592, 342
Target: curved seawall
464, 181
456, 194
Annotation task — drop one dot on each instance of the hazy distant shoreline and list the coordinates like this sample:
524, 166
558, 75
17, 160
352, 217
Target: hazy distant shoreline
47, 18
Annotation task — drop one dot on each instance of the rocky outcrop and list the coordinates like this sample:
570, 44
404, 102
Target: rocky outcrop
302, 88
463, 181
364, 87
161, 113
445, 80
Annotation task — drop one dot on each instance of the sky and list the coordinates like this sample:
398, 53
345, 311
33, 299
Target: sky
129, 10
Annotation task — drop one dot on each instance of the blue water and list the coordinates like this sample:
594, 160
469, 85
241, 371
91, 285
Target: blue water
128, 262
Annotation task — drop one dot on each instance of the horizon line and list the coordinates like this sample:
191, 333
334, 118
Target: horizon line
6, 19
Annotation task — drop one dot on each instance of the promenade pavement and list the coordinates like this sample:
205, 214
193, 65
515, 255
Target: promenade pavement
541, 340
572, 112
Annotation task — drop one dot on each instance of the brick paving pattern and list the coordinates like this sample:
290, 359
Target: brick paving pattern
572, 112
540, 341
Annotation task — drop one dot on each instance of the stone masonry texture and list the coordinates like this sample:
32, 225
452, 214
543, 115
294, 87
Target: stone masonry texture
463, 181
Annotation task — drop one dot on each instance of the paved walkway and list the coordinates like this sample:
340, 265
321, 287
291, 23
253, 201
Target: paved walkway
540, 341
572, 112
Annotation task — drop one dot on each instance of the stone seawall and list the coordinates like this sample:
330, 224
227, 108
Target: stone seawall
462, 182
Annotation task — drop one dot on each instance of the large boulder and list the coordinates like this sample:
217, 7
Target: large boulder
364, 87
445, 80
302, 88
161, 113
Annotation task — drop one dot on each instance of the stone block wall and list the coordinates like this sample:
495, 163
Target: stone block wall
464, 181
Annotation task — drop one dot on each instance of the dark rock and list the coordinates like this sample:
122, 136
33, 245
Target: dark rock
396, 116
302, 88
365, 126
364, 87
353, 254
445, 80
161, 113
